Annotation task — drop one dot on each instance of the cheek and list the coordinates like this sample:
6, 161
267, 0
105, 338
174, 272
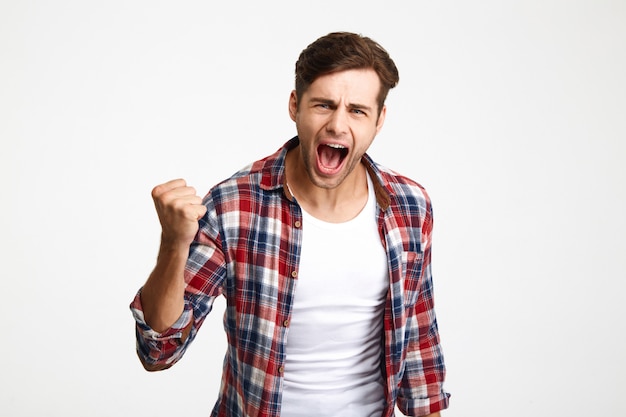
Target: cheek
307, 128
365, 138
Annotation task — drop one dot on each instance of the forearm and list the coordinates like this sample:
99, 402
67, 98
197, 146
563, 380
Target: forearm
162, 296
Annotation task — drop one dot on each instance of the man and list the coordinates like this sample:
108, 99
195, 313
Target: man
322, 255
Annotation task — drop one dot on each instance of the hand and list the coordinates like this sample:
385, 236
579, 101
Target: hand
179, 209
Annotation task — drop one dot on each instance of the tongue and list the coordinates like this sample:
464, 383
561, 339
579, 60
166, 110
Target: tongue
330, 157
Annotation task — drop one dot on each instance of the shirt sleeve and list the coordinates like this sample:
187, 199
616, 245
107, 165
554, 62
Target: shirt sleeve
421, 389
204, 274
158, 351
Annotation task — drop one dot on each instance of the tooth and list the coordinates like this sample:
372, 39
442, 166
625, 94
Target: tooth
336, 146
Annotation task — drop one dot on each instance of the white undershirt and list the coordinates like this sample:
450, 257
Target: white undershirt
333, 347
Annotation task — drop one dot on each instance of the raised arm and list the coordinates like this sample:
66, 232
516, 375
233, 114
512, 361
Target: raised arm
179, 209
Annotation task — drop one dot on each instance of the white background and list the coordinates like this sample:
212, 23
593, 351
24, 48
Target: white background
510, 113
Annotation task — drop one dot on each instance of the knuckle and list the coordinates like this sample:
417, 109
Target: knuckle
156, 191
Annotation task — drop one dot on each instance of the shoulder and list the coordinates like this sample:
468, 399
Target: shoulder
253, 184
234, 192
409, 206
404, 191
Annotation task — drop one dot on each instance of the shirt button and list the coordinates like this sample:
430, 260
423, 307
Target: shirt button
286, 323
294, 274
297, 223
281, 369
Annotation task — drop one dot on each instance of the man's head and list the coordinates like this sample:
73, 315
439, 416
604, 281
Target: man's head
340, 51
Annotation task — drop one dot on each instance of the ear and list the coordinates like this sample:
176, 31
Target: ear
381, 119
293, 105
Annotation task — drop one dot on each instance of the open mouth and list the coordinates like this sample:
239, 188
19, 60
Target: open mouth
331, 156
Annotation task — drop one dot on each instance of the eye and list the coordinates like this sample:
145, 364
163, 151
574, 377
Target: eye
358, 111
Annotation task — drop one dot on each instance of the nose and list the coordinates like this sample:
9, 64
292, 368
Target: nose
338, 122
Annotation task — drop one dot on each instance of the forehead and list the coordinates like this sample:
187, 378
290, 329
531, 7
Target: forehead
356, 85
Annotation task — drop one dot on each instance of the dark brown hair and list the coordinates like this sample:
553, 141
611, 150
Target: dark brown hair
340, 51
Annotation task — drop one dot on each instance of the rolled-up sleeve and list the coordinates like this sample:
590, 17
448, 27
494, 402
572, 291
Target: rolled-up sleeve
421, 389
156, 350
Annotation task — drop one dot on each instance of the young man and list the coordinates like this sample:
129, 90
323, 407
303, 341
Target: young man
323, 257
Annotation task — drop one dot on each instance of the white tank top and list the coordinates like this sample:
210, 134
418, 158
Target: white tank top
333, 346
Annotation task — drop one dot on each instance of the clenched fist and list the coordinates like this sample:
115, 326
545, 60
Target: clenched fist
179, 209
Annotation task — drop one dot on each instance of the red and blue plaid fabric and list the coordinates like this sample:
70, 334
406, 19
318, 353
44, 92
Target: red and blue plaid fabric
247, 249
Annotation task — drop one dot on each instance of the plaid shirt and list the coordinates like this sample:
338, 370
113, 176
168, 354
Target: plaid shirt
247, 249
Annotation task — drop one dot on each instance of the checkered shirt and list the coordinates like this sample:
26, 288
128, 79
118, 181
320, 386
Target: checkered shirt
248, 248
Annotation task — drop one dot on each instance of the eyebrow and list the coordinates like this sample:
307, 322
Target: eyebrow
334, 104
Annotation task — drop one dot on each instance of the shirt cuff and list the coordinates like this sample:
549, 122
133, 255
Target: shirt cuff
148, 333
425, 406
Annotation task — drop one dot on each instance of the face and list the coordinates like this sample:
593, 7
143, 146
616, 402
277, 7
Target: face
337, 119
